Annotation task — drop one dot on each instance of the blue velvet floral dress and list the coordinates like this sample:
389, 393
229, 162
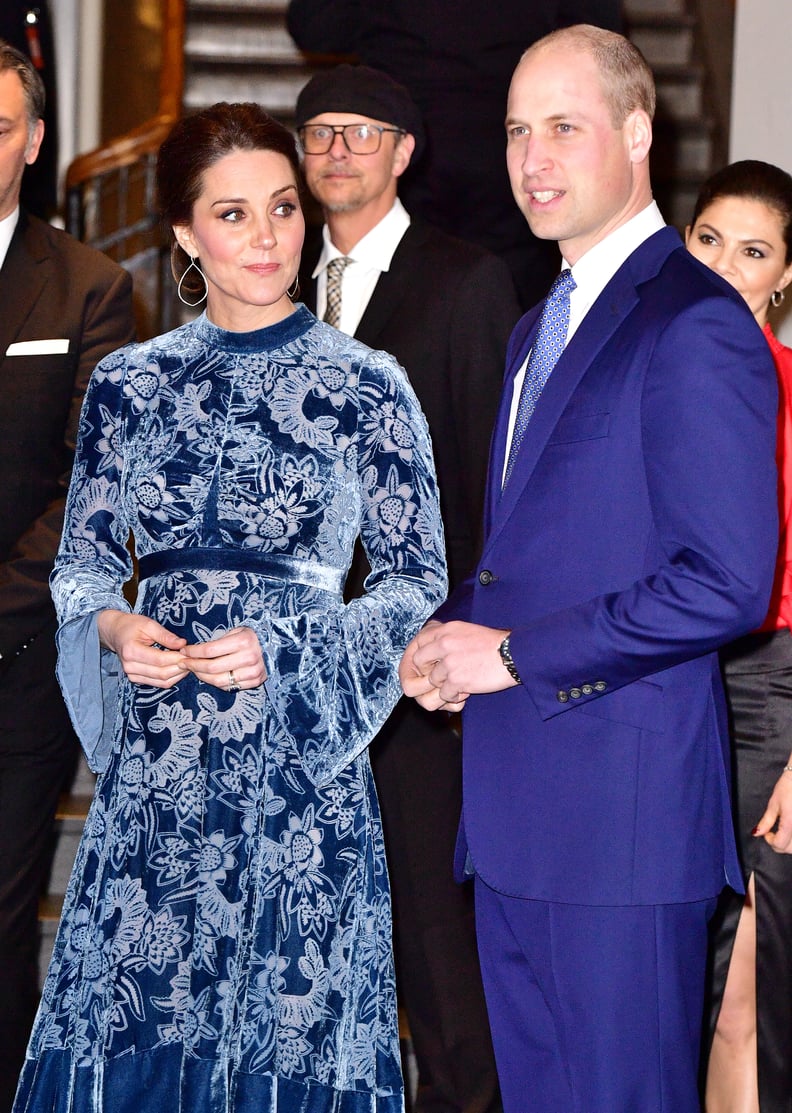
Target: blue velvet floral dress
225, 941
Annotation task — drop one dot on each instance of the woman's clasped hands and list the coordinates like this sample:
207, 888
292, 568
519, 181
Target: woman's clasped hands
150, 654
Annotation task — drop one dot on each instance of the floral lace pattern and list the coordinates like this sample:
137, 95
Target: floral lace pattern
226, 932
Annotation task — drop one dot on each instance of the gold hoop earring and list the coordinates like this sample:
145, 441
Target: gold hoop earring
193, 266
776, 298
294, 290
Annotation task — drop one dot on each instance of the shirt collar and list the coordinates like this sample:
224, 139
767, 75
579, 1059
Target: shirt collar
594, 270
377, 248
7, 229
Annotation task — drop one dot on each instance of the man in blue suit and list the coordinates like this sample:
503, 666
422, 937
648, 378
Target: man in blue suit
631, 533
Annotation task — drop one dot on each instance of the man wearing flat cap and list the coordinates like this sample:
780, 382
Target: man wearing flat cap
445, 309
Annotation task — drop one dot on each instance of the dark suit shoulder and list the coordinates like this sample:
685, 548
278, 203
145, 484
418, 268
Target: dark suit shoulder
450, 253
448, 271
442, 267
42, 239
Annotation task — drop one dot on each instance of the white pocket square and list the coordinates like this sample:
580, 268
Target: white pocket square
38, 348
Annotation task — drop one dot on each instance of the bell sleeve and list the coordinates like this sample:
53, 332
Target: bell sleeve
332, 670
92, 565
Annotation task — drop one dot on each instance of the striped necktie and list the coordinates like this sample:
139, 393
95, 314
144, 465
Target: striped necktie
335, 270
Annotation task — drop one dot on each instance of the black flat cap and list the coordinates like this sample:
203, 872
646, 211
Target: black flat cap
362, 89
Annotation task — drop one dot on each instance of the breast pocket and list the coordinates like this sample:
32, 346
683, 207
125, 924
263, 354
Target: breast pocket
36, 395
576, 427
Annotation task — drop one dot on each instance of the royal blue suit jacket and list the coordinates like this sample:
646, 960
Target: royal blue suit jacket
637, 534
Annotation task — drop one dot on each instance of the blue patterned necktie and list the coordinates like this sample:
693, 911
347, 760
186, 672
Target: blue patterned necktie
547, 347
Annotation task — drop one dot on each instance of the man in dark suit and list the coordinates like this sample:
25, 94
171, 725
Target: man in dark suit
64, 306
445, 309
630, 531
455, 58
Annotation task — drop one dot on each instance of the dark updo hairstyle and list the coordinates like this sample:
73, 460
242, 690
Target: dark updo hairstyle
755, 181
195, 143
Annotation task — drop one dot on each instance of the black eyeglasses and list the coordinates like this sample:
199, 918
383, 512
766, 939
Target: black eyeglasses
360, 139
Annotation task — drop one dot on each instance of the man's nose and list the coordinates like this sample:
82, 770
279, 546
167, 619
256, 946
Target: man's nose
535, 156
338, 148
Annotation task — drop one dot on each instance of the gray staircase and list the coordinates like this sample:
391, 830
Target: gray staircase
690, 133
240, 50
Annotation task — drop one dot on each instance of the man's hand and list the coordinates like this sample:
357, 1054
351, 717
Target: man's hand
448, 661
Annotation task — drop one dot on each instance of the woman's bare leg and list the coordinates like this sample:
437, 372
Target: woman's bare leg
732, 1077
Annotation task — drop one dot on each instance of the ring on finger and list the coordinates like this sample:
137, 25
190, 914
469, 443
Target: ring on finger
233, 684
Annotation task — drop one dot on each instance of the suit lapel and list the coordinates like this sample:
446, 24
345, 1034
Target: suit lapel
22, 279
609, 310
312, 249
391, 287
520, 344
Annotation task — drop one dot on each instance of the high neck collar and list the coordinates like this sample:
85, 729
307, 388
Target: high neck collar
273, 336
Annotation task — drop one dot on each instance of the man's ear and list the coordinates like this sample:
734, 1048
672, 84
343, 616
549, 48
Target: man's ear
402, 154
638, 128
34, 143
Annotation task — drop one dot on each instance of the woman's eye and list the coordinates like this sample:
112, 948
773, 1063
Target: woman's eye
232, 216
285, 208
706, 238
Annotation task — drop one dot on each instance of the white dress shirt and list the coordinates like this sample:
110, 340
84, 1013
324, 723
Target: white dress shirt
370, 257
592, 273
7, 228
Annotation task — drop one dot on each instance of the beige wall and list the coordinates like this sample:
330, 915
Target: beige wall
761, 121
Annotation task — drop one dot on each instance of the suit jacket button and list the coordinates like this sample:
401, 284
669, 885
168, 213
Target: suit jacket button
575, 693
485, 577
562, 696
600, 686
587, 689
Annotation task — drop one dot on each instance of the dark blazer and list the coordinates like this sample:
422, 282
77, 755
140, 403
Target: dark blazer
51, 288
636, 535
445, 310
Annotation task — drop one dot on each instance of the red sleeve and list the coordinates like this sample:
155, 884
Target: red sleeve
780, 611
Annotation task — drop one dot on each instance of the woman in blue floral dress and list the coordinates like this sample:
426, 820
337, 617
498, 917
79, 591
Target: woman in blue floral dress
225, 940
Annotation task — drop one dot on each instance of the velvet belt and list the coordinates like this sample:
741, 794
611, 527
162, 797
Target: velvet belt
276, 566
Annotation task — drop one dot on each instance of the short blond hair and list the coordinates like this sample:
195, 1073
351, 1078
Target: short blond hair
627, 80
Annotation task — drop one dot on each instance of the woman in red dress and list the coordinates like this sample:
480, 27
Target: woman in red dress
742, 229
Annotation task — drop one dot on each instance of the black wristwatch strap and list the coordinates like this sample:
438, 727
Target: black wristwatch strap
508, 660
